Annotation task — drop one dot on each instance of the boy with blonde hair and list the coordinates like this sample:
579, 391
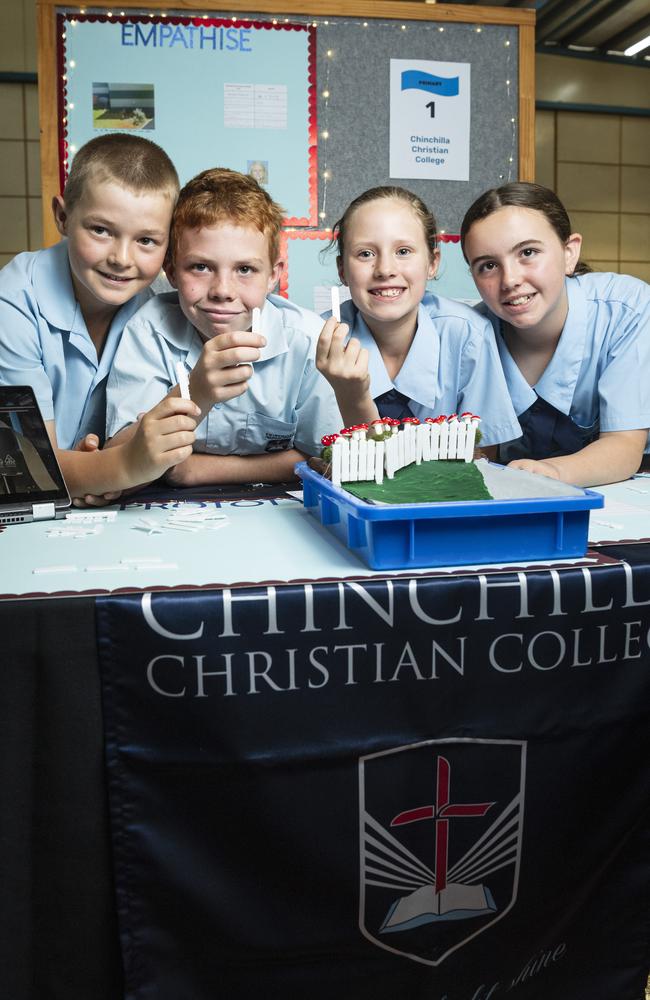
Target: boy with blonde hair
264, 405
63, 310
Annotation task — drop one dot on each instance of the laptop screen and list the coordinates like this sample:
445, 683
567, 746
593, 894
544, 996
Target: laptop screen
29, 472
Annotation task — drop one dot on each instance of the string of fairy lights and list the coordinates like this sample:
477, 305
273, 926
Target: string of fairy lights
327, 37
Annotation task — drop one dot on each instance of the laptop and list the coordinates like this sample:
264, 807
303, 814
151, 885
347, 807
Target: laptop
31, 484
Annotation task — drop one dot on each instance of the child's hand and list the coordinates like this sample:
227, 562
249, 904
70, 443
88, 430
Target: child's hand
542, 466
345, 366
163, 437
222, 371
90, 443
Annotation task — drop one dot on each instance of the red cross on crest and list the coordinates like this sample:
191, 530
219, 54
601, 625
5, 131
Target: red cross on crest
441, 813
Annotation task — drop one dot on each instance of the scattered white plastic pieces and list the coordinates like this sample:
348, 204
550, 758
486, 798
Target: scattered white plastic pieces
149, 525
39, 570
336, 303
183, 380
184, 519
138, 563
134, 563
105, 568
91, 516
81, 523
75, 531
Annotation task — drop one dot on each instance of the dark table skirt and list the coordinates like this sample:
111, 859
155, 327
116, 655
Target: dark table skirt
58, 927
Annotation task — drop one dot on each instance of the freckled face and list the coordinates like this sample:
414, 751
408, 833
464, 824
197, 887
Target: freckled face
519, 265
117, 240
222, 273
386, 263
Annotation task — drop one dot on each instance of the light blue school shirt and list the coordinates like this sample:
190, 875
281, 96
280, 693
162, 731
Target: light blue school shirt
599, 374
451, 367
44, 342
287, 404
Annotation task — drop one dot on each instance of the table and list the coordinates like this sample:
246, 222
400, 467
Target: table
466, 656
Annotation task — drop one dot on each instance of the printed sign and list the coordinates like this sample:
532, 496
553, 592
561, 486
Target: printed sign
429, 119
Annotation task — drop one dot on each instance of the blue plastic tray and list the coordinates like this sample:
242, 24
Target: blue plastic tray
404, 536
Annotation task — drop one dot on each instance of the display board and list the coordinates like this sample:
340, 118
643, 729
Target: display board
319, 101
198, 87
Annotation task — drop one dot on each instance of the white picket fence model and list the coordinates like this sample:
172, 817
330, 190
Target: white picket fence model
357, 457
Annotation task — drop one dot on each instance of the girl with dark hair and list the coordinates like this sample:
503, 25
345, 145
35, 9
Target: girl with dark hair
406, 358
574, 344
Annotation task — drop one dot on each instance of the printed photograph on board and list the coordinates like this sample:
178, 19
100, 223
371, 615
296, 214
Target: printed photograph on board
259, 170
123, 105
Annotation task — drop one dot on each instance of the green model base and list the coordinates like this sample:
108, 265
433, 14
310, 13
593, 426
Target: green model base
430, 482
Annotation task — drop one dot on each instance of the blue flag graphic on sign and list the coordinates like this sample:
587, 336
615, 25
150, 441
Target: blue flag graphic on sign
414, 79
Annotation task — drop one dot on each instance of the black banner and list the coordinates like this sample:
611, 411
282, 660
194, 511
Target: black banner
427, 788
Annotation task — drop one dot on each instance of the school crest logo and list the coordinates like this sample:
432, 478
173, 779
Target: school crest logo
440, 827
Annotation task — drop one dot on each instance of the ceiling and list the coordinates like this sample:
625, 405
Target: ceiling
597, 28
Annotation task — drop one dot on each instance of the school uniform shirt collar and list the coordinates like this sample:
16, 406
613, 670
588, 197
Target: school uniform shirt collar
58, 304
164, 315
420, 369
379, 379
55, 292
273, 331
557, 384
169, 320
522, 395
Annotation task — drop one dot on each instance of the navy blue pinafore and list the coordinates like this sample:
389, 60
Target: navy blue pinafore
546, 433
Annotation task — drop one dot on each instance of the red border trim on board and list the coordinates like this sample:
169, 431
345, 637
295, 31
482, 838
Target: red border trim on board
62, 93
197, 22
312, 110
296, 234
